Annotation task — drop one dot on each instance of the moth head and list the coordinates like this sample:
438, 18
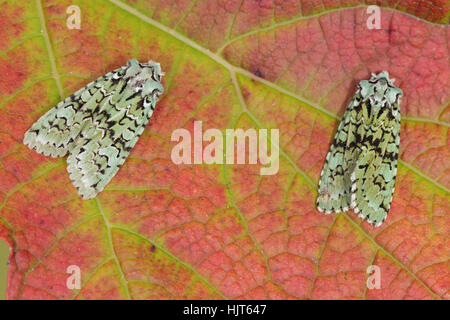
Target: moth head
144, 77
381, 84
380, 90
392, 94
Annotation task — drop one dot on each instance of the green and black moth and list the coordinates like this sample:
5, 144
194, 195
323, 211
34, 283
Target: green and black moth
98, 125
361, 166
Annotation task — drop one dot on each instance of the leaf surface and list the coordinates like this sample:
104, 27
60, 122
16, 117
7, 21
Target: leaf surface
166, 231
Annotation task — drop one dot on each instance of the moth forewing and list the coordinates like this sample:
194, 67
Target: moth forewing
99, 124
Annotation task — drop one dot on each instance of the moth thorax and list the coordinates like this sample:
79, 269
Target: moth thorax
376, 103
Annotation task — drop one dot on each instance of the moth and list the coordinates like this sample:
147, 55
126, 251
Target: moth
98, 125
361, 166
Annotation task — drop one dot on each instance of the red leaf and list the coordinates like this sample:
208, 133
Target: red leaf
166, 231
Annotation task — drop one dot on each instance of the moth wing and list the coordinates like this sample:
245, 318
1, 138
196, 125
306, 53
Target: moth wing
99, 124
373, 179
334, 185
55, 132
103, 147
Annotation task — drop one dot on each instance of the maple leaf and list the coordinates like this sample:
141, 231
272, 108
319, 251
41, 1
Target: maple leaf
166, 231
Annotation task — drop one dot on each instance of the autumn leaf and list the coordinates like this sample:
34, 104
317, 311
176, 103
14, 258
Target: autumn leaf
166, 231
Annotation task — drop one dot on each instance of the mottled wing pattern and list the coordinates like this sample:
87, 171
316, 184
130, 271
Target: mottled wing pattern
334, 186
55, 132
99, 124
360, 168
373, 179
105, 143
